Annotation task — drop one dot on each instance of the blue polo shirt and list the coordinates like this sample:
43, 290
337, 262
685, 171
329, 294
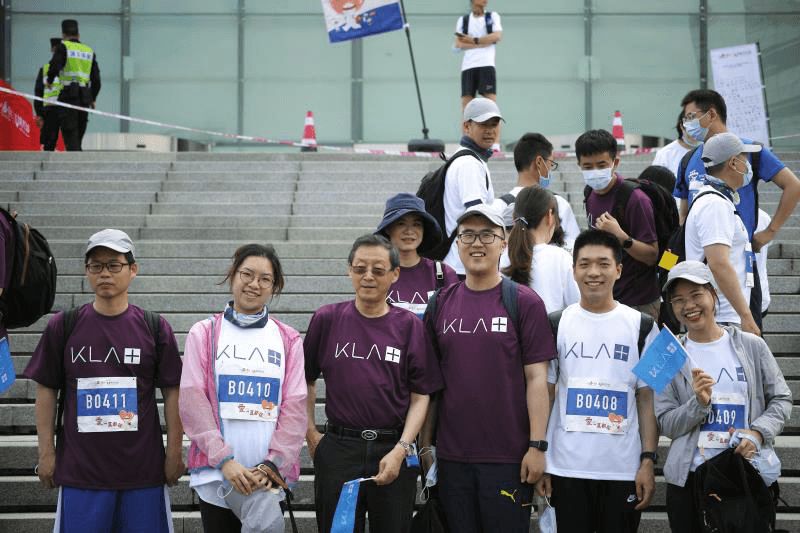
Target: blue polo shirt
695, 170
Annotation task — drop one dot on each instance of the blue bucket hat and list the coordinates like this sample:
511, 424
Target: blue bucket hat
403, 204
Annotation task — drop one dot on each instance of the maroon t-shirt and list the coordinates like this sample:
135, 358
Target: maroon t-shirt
103, 346
6, 259
415, 283
483, 414
638, 284
371, 365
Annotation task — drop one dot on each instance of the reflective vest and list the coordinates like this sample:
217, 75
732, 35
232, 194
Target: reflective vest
78, 67
51, 95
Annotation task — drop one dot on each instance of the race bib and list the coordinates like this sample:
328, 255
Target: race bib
596, 406
727, 411
107, 404
248, 396
417, 309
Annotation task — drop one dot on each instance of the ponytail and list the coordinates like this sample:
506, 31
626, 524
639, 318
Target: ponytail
520, 253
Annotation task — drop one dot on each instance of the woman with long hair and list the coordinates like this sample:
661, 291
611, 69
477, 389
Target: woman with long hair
730, 383
242, 401
532, 260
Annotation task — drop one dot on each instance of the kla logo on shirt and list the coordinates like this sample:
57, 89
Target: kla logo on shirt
392, 355
499, 324
132, 356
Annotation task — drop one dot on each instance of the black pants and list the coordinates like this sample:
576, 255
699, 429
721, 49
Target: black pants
49, 133
682, 509
595, 505
473, 501
73, 126
340, 459
218, 519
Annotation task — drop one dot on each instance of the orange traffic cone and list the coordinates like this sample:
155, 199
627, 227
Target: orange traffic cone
618, 132
309, 141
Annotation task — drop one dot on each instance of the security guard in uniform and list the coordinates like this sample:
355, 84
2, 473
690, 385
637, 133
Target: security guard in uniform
46, 112
75, 65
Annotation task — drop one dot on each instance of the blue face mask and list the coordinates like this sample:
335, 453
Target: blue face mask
598, 179
544, 181
694, 129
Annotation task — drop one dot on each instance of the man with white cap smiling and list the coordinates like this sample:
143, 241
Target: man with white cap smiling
106, 358
468, 181
716, 234
494, 343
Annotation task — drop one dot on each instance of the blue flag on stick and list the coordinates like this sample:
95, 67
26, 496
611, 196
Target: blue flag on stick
661, 361
345, 516
353, 19
7, 374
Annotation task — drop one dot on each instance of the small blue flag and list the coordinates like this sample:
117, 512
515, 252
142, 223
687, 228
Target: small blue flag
661, 361
345, 516
7, 374
354, 19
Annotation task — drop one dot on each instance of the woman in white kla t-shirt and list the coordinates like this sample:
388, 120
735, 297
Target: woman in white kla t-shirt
730, 383
546, 268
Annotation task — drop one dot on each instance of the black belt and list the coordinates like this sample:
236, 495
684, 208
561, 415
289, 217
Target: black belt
365, 434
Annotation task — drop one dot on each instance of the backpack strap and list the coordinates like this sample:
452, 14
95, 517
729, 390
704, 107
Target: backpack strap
489, 22
508, 291
755, 162
685, 163
645, 327
508, 198
464, 24
554, 318
437, 265
70, 317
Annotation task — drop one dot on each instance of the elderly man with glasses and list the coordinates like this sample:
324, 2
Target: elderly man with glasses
379, 370
490, 420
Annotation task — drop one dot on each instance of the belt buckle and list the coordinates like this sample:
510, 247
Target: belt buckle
369, 434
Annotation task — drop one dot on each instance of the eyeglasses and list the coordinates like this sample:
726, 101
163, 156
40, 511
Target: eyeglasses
115, 267
692, 116
554, 163
362, 270
247, 277
486, 237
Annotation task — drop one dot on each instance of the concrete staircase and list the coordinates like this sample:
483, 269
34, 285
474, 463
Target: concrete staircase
188, 212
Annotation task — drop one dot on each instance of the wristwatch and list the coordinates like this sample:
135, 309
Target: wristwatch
540, 445
406, 446
653, 456
627, 243
476, 40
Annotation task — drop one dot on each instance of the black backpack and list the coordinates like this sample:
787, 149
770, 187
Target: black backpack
32, 289
487, 16
431, 190
731, 497
665, 212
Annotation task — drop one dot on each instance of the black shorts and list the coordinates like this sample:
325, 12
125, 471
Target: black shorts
482, 80
595, 505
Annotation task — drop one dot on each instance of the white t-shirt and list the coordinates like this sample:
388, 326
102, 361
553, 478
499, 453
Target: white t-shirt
728, 395
552, 277
255, 355
670, 156
484, 56
466, 181
713, 220
593, 429
565, 216
761, 260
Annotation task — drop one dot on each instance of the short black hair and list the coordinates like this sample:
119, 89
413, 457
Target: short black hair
705, 99
598, 237
371, 239
595, 142
257, 250
529, 147
679, 123
659, 175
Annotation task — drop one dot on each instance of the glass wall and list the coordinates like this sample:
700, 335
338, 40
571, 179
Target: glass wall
256, 67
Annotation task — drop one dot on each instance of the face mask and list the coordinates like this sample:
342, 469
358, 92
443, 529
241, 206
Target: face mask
691, 141
544, 181
597, 179
747, 176
547, 520
694, 129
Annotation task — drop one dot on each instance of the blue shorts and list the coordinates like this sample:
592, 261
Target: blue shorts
113, 511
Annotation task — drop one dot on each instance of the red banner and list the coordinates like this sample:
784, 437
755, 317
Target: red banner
18, 130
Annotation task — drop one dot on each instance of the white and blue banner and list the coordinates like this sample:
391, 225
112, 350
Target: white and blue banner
353, 19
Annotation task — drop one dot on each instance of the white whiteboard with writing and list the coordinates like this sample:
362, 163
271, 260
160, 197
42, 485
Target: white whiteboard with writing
737, 77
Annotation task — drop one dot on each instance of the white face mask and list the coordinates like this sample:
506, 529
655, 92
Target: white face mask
598, 179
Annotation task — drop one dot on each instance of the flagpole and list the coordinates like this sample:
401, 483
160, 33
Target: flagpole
425, 144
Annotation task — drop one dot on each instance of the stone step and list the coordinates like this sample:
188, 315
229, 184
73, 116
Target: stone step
75, 246
137, 233
199, 266
77, 167
100, 175
236, 166
26, 209
222, 175
200, 186
106, 197
78, 185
